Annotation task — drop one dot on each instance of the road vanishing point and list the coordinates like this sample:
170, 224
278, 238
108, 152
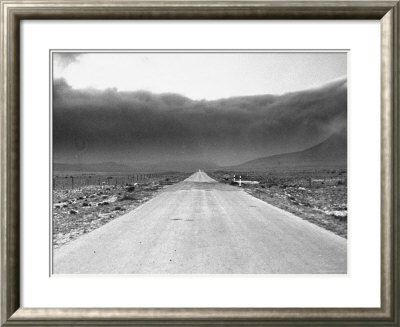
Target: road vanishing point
200, 226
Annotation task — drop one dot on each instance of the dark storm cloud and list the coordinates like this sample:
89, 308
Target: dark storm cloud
64, 59
143, 127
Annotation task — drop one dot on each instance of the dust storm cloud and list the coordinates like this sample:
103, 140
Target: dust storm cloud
140, 127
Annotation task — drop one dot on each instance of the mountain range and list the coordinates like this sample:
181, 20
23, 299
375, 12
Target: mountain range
329, 153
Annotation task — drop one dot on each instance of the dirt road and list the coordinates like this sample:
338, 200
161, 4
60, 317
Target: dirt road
201, 226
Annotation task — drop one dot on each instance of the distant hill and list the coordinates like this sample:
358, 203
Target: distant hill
182, 165
93, 167
330, 153
162, 166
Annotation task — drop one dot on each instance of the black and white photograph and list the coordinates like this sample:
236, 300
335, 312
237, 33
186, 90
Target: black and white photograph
199, 162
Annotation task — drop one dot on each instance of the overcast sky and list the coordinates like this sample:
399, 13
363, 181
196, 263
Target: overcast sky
200, 75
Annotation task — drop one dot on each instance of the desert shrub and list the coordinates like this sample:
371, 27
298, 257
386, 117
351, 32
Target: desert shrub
127, 197
341, 218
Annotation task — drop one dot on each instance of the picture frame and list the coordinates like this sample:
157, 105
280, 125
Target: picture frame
13, 12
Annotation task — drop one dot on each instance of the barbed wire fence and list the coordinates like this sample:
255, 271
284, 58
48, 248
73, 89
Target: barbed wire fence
77, 181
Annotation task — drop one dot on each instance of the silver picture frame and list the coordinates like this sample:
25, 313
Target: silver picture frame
13, 12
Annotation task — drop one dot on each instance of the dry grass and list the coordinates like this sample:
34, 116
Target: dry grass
318, 196
80, 210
